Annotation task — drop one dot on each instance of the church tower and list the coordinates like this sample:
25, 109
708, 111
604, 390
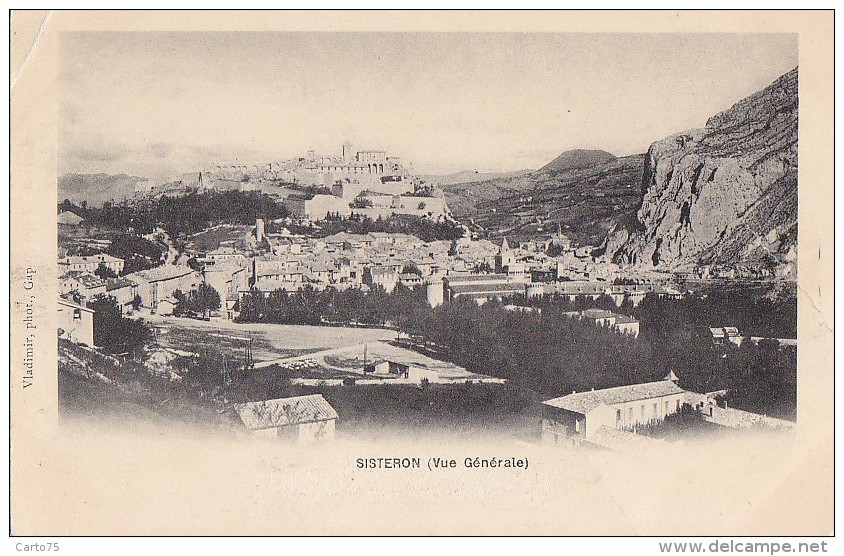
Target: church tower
505, 257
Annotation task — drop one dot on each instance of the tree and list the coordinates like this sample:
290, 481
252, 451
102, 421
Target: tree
114, 333
411, 268
200, 301
605, 302
105, 272
207, 298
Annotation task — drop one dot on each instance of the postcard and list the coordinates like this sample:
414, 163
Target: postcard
421, 273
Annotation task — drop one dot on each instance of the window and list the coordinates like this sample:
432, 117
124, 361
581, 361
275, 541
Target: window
643, 410
656, 410
630, 414
77, 314
678, 405
666, 407
617, 417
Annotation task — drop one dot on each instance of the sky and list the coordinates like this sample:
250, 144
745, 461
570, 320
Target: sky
159, 104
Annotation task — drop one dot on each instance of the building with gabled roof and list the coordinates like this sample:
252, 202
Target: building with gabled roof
68, 218
83, 283
300, 418
578, 416
90, 263
75, 322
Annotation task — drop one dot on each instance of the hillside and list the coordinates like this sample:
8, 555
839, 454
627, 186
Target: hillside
723, 194
585, 201
95, 189
470, 176
578, 159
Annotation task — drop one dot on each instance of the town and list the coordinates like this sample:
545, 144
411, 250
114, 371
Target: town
319, 281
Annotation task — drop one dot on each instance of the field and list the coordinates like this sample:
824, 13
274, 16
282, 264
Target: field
210, 239
270, 342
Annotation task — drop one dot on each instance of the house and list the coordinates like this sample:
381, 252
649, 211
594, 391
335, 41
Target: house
317, 207
159, 283
622, 324
724, 335
481, 287
410, 280
83, 283
76, 322
382, 276
90, 263
302, 418
167, 306
68, 218
578, 416
377, 367
627, 325
227, 277
123, 291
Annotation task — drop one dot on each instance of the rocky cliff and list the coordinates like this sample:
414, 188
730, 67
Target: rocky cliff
724, 194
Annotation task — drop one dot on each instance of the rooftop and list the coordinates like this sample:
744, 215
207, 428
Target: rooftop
117, 283
584, 402
166, 272
455, 279
508, 287
285, 411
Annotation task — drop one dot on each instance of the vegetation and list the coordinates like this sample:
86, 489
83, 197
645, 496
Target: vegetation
679, 426
186, 214
198, 302
105, 272
308, 306
138, 253
553, 354
458, 409
423, 228
114, 333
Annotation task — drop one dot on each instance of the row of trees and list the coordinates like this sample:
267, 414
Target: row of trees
309, 306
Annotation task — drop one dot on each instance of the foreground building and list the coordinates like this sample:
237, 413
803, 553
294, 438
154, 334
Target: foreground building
580, 416
76, 322
301, 418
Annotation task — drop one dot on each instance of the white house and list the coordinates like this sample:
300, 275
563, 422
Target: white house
76, 323
578, 416
301, 418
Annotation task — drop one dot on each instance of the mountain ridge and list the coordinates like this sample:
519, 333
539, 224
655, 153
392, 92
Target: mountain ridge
723, 194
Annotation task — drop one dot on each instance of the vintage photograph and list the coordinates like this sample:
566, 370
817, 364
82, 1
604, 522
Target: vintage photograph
576, 247
305, 242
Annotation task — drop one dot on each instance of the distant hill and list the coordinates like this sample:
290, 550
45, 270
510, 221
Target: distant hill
578, 159
96, 189
586, 202
470, 176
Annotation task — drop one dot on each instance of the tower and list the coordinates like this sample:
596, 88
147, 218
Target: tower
505, 257
435, 291
259, 230
348, 152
